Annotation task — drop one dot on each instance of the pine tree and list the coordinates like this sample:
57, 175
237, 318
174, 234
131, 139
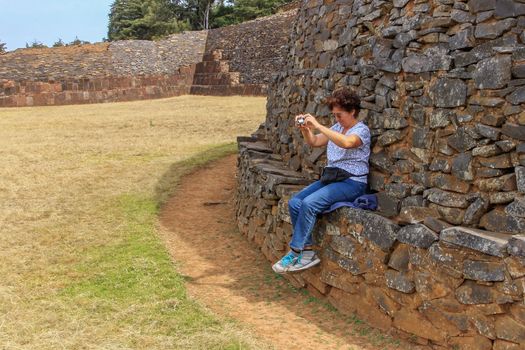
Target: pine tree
238, 11
3, 48
144, 19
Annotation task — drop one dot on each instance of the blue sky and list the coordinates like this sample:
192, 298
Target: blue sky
24, 21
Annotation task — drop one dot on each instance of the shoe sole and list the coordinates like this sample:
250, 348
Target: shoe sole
278, 272
312, 264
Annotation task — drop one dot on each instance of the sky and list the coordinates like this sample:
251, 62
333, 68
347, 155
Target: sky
24, 21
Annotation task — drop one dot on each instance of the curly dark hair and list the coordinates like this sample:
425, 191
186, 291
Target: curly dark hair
346, 99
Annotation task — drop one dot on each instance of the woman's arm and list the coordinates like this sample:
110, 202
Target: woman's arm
313, 140
341, 140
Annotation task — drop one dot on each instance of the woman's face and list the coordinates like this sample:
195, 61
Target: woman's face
343, 117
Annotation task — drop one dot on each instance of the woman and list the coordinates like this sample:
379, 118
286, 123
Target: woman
344, 178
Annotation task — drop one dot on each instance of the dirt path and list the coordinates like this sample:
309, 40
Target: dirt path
234, 280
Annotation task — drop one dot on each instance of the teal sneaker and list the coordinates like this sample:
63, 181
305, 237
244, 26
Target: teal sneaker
305, 260
286, 262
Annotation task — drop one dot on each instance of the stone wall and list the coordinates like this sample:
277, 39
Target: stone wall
213, 77
254, 48
138, 69
94, 89
105, 72
119, 58
442, 262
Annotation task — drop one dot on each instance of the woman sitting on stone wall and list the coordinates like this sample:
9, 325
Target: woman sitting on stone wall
343, 179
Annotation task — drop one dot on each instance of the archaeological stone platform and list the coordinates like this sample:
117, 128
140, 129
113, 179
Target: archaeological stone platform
139, 69
442, 262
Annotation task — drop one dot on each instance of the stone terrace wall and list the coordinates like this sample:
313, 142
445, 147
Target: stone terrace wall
442, 263
119, 58
139, 69
255, 48
120, 71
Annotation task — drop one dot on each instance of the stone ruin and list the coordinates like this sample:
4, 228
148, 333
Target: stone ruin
246, 54
442, 262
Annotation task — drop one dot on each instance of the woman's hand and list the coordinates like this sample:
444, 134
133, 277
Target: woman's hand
298, 123
311, 122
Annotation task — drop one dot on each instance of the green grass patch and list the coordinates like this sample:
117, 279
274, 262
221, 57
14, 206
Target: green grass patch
132, 280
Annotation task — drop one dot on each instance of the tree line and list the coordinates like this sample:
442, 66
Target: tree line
154, 19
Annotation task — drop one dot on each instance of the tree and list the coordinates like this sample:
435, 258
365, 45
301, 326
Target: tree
153, 19
200, 12
59, 43
35, 45
144, 19
238, 11
77, 41
3, 48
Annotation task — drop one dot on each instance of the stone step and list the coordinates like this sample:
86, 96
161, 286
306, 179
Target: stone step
215, 55
212, 67
232, 78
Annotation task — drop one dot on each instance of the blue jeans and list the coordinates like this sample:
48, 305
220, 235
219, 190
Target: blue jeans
314, 199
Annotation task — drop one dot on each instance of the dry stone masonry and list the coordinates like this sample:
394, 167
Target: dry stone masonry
442, 262
256, 47
138, 69
213, 77
104, 72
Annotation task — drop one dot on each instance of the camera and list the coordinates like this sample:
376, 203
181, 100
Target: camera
300, 121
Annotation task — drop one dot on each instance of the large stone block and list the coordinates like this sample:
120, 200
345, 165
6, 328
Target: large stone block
516, 208
516, 246
462, 167
448, 93
498, 220
417, 235
476, 6
493, 73
502, 183
509, 329
517, 97
417, 63
381, 231
494, 29
484, 271
413, 322
399, 281
429, 288
447, 199
475, 211
344, 245
416, 214
491, 243
471, 293
509, 8
399, 258
462, 140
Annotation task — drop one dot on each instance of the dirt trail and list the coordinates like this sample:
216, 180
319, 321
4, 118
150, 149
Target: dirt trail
232, 278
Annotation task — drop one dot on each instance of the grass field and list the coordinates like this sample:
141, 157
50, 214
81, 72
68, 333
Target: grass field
80, 263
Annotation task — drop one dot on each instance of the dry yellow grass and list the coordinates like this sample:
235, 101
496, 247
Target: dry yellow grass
61, 171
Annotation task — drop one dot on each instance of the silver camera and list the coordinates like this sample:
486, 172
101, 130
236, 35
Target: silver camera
300, 121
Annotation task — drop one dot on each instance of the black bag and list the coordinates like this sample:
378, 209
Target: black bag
333, 174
